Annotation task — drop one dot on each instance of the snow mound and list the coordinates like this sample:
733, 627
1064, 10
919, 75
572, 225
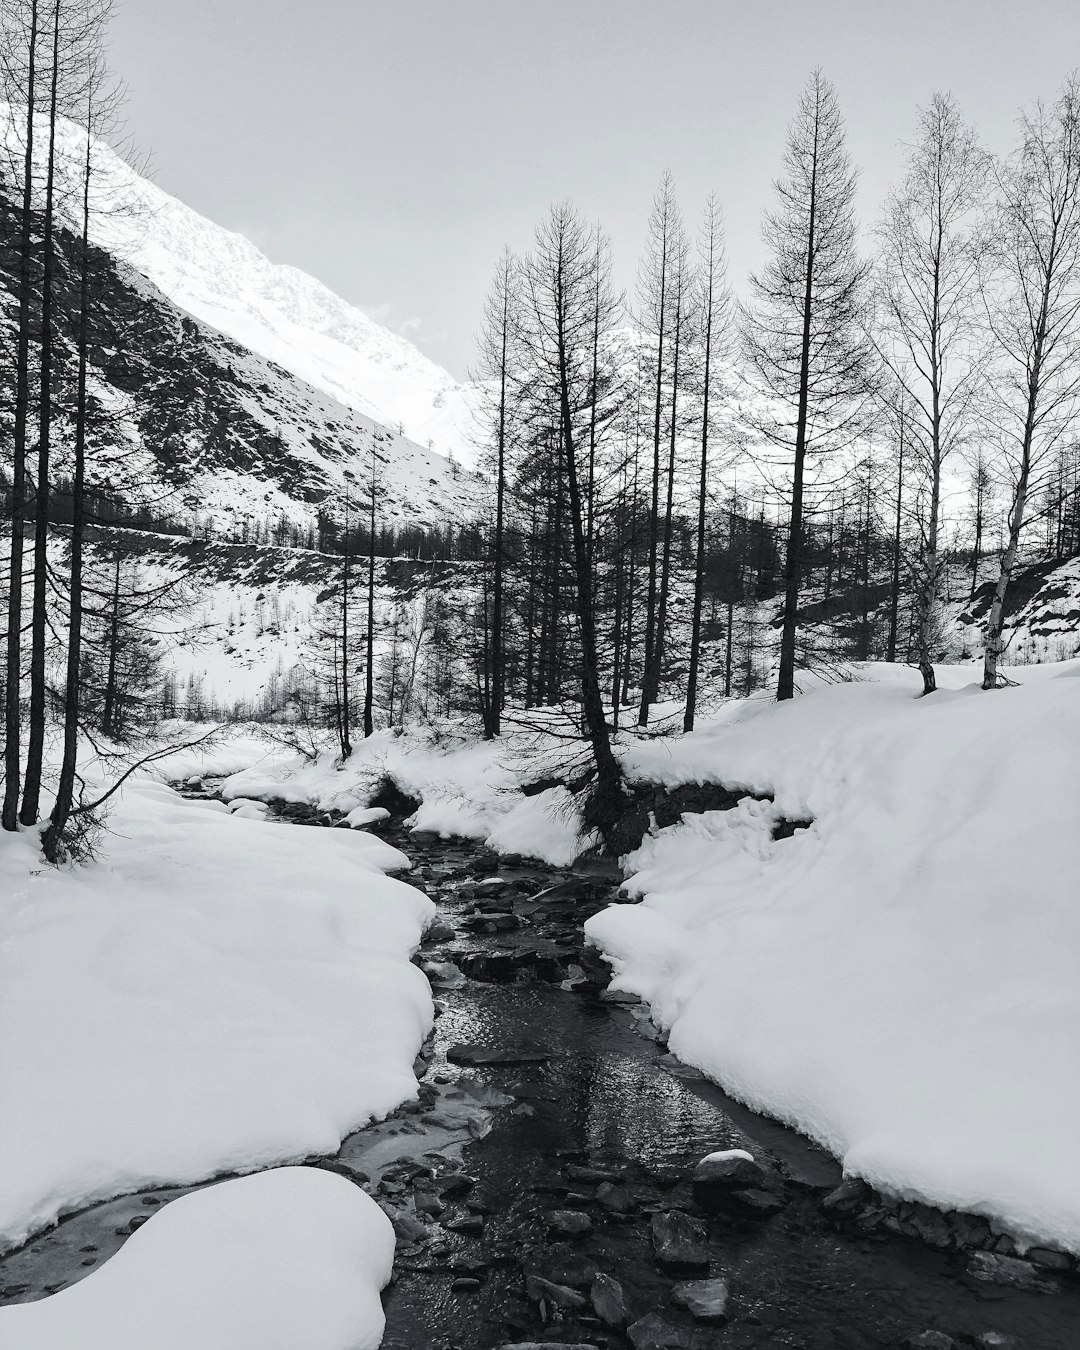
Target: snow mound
288, 1258
898, 980
217, 995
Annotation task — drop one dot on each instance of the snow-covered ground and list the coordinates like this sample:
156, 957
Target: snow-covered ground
899, 980
218, 993
282, 1259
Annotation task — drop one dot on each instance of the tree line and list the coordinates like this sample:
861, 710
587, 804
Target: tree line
616, 428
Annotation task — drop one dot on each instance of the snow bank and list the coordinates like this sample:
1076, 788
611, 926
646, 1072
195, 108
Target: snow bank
288, 1258
899, 980
466, 788
218, 994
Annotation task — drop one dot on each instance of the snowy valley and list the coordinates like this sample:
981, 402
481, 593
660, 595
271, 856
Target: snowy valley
581, 855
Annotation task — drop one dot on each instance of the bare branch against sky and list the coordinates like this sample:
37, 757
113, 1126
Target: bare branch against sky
391, 147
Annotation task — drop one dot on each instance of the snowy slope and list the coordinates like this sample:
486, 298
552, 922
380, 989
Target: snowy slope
282, 313
193, 419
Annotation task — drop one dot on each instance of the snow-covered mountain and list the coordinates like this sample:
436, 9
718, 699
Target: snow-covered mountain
224, 387
283, 314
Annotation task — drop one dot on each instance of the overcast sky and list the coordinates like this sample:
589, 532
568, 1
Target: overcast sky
391, 147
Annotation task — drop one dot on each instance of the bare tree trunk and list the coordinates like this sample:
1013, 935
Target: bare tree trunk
35, 746
52, 843
13, 668
369, 674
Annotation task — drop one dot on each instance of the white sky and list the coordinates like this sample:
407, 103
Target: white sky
391, 147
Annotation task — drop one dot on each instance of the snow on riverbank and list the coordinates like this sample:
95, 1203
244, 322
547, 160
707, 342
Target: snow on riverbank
898, 981
218, 993
466, 788
287, 1258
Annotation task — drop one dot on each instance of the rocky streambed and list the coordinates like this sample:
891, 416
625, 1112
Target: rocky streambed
547, 1185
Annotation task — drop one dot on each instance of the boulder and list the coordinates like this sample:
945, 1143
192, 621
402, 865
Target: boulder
652, 1332
680, 1242
608, 1300
718, 1175
568, 1223
614, 1198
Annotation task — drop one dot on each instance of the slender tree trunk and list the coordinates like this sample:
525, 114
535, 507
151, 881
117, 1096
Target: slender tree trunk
647, 696
785, 687
109, 711
494, 719
660, 640
894, 592
703, 484
35, 746
65, 793
369, 654
346, 719
13, 667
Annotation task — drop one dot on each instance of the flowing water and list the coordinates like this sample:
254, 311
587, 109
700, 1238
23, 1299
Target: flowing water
590, 1116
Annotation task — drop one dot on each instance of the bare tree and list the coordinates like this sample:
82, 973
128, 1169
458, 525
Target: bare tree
931, 240
803, 335
1035, 320
714, 306
567, 303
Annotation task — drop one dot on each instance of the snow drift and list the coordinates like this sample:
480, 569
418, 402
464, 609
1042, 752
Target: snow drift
899, 980
288, 1258
221, 994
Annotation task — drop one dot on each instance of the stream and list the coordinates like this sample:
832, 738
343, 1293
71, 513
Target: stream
541, 1185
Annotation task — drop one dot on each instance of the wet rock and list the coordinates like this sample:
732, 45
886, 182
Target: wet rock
472, 1225
439, 932
548, 1345
555, 1295
591, 1175
407, 1228
704, 1300
680, 1242
930, 1226
1049, 1258
562, 1265
993, 1268
486, 1055
454, 1184
851, 1195
615, 1199
996, 1340
568, 1223
621, 996
465, 1284
759, 1204
929, 1340
443, 974
426, 1203
718, 1175
652, 1332
608, 1300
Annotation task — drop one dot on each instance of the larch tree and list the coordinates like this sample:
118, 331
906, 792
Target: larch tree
804, 335
567, 304
1035, 316
931, 240
495, 376
714, 313
665, 250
